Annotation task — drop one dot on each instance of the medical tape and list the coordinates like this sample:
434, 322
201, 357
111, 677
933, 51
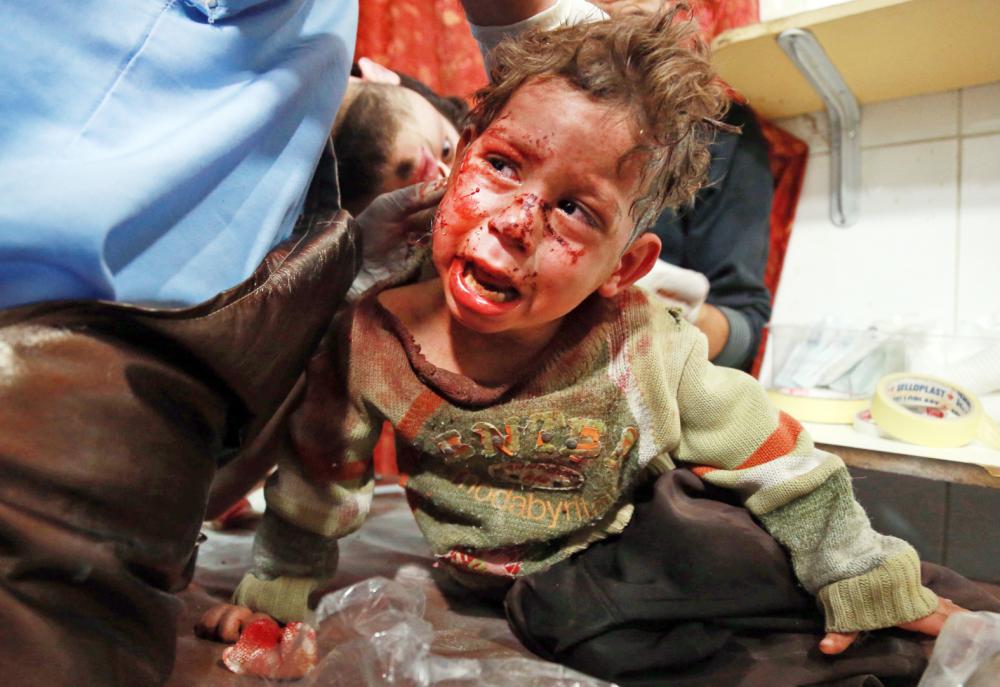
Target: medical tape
929, 411
815, 405
864, 424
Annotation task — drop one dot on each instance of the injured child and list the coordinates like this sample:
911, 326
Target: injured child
563, 440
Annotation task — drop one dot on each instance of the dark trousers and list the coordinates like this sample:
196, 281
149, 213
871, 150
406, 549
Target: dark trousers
112, 421
694, 592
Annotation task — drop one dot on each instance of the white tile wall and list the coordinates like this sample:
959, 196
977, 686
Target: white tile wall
981, 109
910, 119
893, 121
978, 299
927, 246
879, 268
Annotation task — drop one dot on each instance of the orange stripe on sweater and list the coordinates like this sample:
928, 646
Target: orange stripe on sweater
779, 443
414, 418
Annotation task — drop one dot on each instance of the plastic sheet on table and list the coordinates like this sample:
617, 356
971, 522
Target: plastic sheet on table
967, 652
374, 633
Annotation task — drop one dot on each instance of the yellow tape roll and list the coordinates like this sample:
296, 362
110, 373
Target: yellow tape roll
809, 407
928, 411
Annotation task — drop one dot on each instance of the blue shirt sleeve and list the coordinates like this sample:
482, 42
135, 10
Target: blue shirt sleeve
155, 151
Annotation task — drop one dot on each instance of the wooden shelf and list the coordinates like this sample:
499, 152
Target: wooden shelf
884, 49
914, 466
975, 459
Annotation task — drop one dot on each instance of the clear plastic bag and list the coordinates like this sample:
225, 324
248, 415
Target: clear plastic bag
373, 633
967, 652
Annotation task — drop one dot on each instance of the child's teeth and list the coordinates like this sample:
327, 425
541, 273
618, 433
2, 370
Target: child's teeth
497, 296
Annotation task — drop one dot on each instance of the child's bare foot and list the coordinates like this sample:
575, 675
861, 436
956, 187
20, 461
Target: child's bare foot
226, 622
837, 642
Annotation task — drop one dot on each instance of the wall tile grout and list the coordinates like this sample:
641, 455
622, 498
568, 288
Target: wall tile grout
935, 139
980, 134
900, 144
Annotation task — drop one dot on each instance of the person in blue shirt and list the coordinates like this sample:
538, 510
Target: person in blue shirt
153, 152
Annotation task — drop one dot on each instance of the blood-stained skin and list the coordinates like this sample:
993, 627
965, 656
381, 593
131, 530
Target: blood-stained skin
536, 217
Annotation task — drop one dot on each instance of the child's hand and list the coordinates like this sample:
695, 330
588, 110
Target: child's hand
837, 642
225, 622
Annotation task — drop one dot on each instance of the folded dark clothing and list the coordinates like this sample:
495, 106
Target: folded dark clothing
695, 592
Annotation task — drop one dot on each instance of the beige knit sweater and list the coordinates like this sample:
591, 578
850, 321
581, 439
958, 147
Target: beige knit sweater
506, 481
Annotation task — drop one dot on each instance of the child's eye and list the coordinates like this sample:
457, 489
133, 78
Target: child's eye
501, 166
573, 209
446, 150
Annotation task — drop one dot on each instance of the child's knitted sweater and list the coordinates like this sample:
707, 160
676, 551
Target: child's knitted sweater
507, 481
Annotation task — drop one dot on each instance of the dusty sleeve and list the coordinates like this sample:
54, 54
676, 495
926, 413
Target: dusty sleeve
321, 491
863, 580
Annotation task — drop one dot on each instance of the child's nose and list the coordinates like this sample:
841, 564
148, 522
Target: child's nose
518, 223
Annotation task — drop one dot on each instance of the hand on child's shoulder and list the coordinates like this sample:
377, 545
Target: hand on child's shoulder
837, 642
225, 622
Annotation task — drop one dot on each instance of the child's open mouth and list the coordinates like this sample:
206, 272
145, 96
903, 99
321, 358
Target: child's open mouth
487, 285
480, 290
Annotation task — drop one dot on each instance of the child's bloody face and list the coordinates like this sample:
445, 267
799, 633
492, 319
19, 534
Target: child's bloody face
536, 217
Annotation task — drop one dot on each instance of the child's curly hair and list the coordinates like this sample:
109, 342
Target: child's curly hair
654, 64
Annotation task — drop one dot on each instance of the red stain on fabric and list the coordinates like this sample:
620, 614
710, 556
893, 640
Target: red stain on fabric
265, 649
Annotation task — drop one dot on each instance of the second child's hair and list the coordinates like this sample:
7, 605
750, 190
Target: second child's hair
655, 66
362, 138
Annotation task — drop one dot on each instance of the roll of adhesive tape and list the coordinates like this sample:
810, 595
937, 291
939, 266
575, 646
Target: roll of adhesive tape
810, 405
928, 411
864, 424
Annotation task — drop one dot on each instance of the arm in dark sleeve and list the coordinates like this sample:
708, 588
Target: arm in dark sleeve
726, 235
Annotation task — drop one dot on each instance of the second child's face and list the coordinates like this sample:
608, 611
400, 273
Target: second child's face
424, 147
537, 213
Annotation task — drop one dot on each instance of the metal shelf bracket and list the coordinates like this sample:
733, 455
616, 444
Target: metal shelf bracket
844, 117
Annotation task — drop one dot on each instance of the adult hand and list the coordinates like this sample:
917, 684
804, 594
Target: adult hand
680, 287
226, 622
391, 225
837, 642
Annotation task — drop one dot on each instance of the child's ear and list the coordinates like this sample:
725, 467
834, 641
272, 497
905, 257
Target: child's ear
633, 265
